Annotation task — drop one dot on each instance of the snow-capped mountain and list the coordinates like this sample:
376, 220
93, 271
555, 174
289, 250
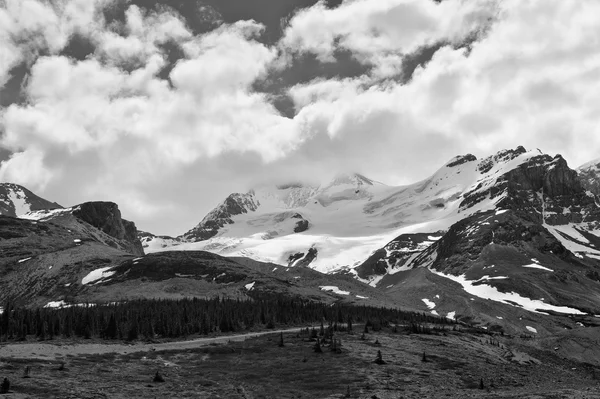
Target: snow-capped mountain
589, 174
16, 200
345, 221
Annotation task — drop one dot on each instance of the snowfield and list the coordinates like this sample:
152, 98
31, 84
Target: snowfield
334, 289
349, 217
489, 292
98, 274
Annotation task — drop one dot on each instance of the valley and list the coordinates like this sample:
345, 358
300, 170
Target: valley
506, 247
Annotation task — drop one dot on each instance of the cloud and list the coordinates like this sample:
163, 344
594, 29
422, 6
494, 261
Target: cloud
110, 127
380, 33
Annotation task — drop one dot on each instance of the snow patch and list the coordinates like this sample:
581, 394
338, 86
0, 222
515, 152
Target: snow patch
97, 274
451, 315
17, 197
362, 297
510, 298
429, 303
250, 286
24, 260
56, 304
334, 289
533, 330
536, 266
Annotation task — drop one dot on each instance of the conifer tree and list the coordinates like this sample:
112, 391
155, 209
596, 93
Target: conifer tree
317, 347
5, 386
379, 358
158, 377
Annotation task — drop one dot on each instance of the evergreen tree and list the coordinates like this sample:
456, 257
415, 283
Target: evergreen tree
317, 347
5, 386
111, 329
379, 358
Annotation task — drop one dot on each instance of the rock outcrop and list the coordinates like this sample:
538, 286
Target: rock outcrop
106, 217
235, 204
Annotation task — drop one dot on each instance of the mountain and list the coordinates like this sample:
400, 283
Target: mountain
510, 237
344, 221
521, 265
589, 174
16, 200
101, 220
60, 260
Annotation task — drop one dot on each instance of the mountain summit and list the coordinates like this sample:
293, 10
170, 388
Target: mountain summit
16, 200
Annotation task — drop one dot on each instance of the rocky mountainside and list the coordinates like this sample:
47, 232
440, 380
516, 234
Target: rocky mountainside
510, 266
511, 237
589, 174
101, 220
60, 260
16, 200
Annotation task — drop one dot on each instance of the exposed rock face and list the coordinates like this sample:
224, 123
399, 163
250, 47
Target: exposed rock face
106, 217
461, 159
537, 190
399, 254
589, 174
235, 204
16, 200
301, 259
301, 225
543, 189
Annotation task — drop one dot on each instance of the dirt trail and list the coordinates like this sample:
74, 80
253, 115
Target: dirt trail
47, 350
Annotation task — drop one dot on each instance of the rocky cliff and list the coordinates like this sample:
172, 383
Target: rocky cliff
106, 217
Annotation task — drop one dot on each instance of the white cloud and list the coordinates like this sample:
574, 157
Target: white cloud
167, 153
380, 32
144, 34
91, 122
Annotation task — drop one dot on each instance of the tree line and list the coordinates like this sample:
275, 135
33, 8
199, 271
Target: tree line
161, 318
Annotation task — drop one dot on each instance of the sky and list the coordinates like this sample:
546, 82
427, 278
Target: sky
167, 106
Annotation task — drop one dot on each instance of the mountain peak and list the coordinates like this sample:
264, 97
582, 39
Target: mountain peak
16, 200
355, 179
460, 159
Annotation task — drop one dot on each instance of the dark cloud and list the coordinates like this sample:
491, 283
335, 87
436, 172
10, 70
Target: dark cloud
304, 68
12, 91
79, 47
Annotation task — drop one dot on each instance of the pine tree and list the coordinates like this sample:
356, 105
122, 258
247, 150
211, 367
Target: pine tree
5, 386
158, 377
424, 357
317, 347
481, 385
281, 345
379, 358
111, 329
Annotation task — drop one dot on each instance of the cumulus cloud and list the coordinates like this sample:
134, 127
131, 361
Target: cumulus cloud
108, 127
381, 32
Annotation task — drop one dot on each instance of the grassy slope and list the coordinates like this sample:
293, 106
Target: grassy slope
258, 368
